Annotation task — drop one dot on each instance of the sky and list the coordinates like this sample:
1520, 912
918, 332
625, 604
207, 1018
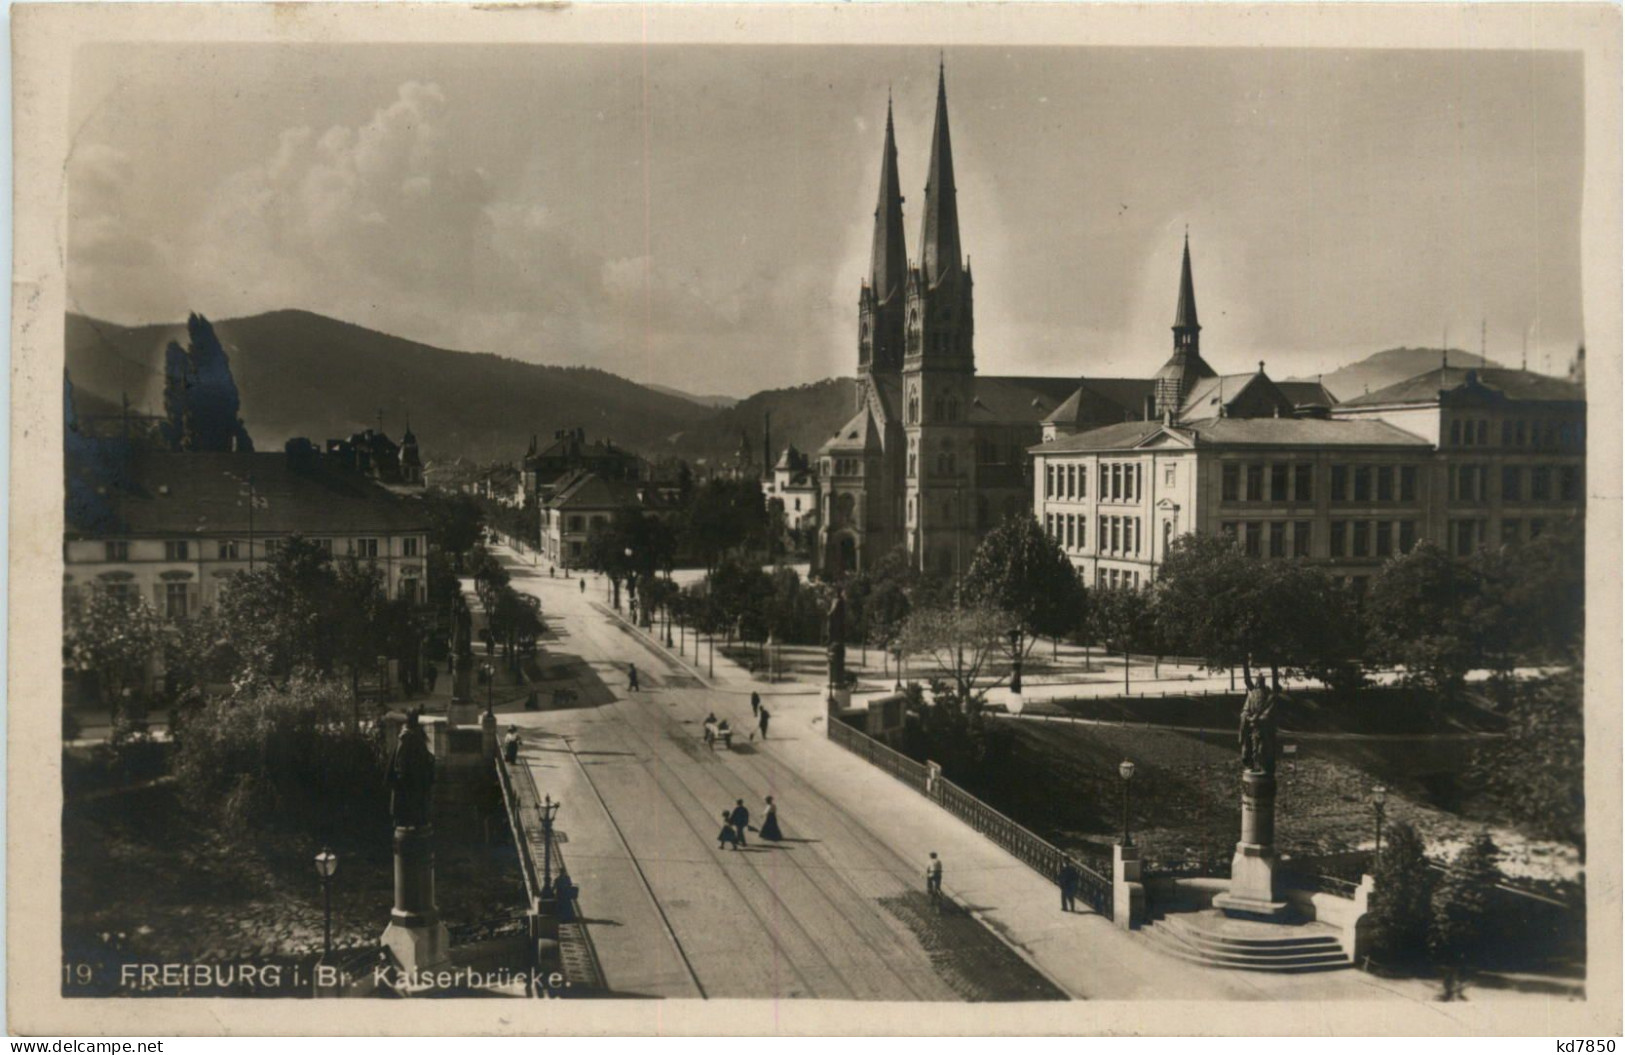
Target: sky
700, 216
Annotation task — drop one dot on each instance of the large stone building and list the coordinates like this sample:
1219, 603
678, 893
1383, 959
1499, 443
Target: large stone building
1463, 457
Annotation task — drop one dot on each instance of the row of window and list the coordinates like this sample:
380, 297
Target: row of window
1295, 482
1519, 483
1476, 432
1120, 535
179, 600
1349, 538
232, 549
1119, 481
1118, 579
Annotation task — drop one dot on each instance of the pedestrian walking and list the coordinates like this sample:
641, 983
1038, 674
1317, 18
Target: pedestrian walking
740, 819
510, 745
770, 822
434, 676
710, 731
755, 704
583, 585
1069, 887
933, 879
761, 719
632, 677
726, 836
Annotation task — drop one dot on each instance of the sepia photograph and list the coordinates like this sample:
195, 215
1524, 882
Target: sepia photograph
1041, 514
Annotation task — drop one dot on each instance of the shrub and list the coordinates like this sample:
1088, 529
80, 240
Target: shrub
1461, 905
275, 757
1400, 905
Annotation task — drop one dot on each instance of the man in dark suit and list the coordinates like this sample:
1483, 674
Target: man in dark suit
740, 819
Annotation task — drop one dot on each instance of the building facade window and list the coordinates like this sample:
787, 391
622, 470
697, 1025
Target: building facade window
177, 550
1230, 486
1340, 531
1362, 483
366, 548
409, 545
1385, 538
1407, 483
226, 549
1301, 537
1511, 532
1385, 483
1255, 483
1303, 482
1362, 538
1568, 483
1278, 482
1540, 483
116, 551
1277, 538
1340, 483
176, 596
1511, 483
1253, 539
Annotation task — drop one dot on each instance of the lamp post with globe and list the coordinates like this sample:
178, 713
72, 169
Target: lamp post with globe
327, 863
1125, 769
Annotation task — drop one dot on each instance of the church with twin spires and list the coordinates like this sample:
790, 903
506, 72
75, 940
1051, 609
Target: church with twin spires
935, 455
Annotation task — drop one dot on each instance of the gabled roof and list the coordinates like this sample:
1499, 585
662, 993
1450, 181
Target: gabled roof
1102, 401
588, 490
1241, 432
1512, 384
1219, 396
1307, 393
1017, 400
858, 434
185, 495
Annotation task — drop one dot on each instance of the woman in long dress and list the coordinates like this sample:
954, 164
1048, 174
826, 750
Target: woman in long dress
770, 822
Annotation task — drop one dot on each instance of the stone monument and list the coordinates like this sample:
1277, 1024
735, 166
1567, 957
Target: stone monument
835, 625
463, 709
415, 934
1253, 891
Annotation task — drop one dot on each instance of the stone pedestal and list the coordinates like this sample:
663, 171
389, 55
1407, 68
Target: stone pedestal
1128, 891
488, 737
1253, 893
463, 710
415, 934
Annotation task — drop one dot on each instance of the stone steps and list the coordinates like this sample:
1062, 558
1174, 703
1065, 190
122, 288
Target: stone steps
1201, 938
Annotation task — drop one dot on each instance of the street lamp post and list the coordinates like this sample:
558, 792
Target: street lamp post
898, 652
1379, 802
1015, 660
490, 684
327, 863
548, 809
1125, 769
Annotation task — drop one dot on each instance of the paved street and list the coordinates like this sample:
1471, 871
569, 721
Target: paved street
831, 912
836, 912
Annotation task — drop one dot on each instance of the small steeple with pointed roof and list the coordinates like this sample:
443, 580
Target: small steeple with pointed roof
1186, 366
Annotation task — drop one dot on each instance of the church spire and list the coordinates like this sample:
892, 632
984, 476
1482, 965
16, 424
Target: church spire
888, 264
1185, 314
939, 232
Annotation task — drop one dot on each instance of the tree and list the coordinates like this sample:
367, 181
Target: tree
1124, 620
724, 515
1418, 615
287, 614
455, 523
959, 643
1461, 905
201, 402
1021, 570
1236, 610
114, 636
1536, 773
1400, 904
283, 756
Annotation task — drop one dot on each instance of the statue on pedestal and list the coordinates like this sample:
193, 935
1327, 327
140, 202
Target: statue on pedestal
835, 625
411, 776
1258, 725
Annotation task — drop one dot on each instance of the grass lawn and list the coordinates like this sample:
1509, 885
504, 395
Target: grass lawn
146, 865
1186, 798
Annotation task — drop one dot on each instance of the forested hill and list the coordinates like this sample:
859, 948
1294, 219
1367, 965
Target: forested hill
302, 374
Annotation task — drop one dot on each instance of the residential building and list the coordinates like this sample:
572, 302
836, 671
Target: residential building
172, 528
544, 468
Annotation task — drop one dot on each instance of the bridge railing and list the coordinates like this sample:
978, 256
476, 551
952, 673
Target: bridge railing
1037, 853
